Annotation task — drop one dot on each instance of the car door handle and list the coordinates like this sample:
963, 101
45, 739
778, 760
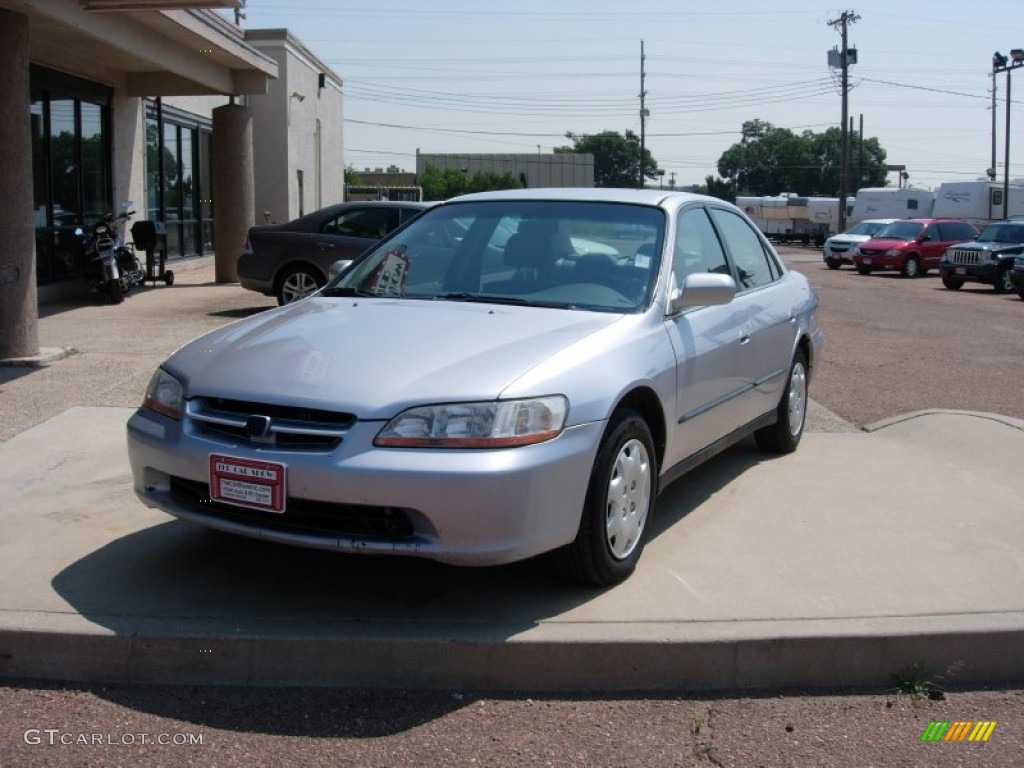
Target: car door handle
325, 246
744, 338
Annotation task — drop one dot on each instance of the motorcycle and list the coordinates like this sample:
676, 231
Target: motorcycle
111, 267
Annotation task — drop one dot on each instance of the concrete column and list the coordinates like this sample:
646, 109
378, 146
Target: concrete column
234, 194
19, 311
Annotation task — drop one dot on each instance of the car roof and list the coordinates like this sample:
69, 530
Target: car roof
656, 197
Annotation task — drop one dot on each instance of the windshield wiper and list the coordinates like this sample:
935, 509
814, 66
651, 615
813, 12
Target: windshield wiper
343, 290
482, 298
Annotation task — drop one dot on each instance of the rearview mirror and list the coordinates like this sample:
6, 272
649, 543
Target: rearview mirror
703, 289
338, 267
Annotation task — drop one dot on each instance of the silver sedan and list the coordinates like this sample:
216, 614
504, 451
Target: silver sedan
479, 388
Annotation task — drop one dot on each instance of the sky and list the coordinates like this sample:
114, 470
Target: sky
495, 76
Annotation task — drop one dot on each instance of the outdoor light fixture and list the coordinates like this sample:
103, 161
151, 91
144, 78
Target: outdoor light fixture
1017, 54
998, 60
1001, 64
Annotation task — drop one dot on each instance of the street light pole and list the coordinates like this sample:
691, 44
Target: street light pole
1000, 63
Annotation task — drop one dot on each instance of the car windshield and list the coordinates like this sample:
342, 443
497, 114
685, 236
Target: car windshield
1002, 233
566, 254
900, 230
865, 228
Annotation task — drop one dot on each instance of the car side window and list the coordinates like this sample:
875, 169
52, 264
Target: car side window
754, 265
931, 234
955, 230
697, 248
371, 223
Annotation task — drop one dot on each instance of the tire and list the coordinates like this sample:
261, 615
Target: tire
953, 283
784, 435
862, 270
168, 278
618, 507
114, 292
911, 267
833, 263
1003, 283
298, 283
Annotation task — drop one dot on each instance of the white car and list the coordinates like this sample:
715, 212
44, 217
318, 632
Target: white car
839, 248
491, 394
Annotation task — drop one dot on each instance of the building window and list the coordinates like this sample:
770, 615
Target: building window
70, 125
179, 178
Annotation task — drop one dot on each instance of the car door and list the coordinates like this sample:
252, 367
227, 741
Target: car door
705, 341
765, 309
931, 246
351, 232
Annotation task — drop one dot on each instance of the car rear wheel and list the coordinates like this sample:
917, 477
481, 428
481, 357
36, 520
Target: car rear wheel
1003, 282
911, 267
784, 435
297, 283
953, 283
619, 502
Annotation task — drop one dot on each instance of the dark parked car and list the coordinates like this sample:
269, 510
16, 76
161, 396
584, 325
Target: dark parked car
989, 259
911, 246
291, 261
1017, 276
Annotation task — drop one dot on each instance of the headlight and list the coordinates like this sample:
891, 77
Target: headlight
496, 424
894, 252
164, 394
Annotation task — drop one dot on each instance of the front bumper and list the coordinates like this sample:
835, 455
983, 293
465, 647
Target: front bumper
842, 254
879, 262
464, 507
980, 273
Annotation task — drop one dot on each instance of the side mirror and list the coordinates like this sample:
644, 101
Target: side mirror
703, 289
338, 267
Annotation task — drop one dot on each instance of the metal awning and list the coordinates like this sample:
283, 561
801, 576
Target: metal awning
145, 48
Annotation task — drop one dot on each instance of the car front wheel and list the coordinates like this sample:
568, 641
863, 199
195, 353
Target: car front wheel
953, 283
296, 284
1003, 282
618, 505
833, 263
784, 435
911, 267
863, 270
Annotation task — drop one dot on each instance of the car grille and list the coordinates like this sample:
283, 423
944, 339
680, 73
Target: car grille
301, 516
961, 256
266, 424
871, 251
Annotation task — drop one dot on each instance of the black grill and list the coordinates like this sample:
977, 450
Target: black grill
301, 516
283, 412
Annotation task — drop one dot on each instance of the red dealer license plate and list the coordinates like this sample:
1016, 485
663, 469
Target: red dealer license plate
247, 483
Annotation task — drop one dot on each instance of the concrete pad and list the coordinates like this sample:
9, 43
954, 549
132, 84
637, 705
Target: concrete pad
859, 555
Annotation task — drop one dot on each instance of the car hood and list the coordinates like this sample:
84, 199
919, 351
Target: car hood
884, 242
988, 245
376, 357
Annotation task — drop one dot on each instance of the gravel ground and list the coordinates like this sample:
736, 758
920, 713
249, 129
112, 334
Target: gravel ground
892, 346
242, 727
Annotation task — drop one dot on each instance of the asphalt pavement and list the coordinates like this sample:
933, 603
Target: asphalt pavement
796, 571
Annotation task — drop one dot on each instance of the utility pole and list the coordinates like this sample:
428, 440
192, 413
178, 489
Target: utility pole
643, 114
847, 18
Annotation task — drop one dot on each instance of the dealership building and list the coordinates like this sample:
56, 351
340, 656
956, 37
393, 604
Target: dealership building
208, 128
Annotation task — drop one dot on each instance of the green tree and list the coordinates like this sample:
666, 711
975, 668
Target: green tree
616, 157
717, 187
440, 185
771, 161
352, 178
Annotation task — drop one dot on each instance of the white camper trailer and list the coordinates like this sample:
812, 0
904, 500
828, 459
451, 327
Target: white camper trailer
892, 203
979, 202
752, 206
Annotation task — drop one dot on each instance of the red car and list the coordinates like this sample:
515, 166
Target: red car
912, 246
